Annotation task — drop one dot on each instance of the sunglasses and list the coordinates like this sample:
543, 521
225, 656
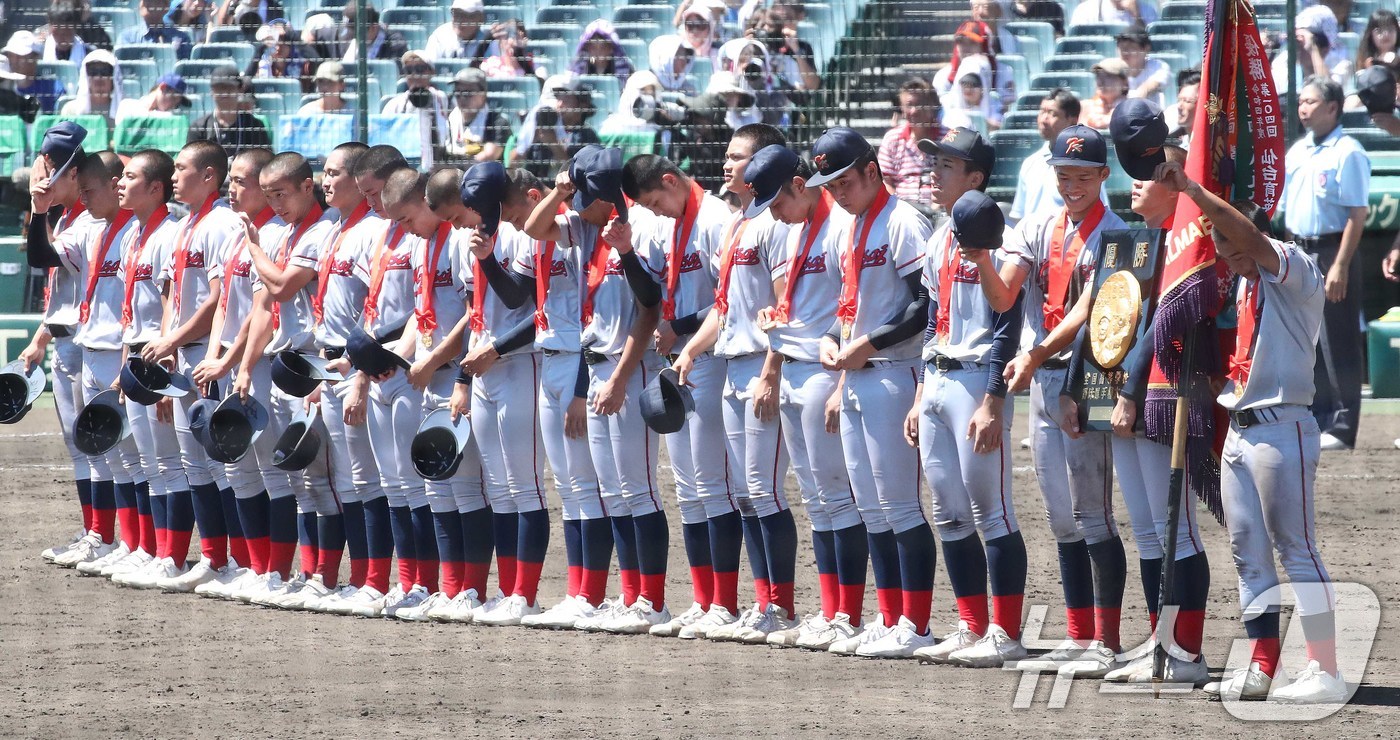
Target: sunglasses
100, 70
418, 69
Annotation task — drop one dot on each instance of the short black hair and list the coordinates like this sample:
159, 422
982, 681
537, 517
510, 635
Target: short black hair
761, 135
1065, 100
1135, 34
104, 164
1256, 215
353, 151
443, 186
379, 162
65, 13
643, 173
1329, 89
157, 166
288, 165
209, 154
1189, 76
803, 170
402, 185
522, 181
257, 156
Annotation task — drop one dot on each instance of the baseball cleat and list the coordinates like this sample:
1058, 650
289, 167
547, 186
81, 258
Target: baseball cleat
133, 563
335, 602
415, 596
1248, 684
820, 637
312, 590
487, 606
188, 581
594, 619
94, 566
52, 553
717, 616
1312, 685
1193, 672
228, 587
462, 608
637, 619
561, 616
147, 576
274, 596
725, 633
260, 588
994, 650
507, 613
788, 638
900, 642
435, 600
871, 632
441, 610
673, 628
367, 602
1050, 662
89, 548
774, 619
960, 638
1094, 661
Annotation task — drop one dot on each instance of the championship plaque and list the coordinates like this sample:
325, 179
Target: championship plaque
1125, 291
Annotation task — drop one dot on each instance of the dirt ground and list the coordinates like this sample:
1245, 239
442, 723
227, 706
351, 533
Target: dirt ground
81, 656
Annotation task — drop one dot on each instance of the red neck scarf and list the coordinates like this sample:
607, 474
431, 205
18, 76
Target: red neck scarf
182, 249
732, 237
114, 227
680, 239
388, 242
1063, 261
69, 215
1242, 360
951, 261
157, 218
259, 221
597, 270
812, 228
289, 245
849, 301
323, 271
477, 321
427, 315
544, 264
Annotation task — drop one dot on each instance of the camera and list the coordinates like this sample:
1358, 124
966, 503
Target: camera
660, 112
420, 97
546, 118
774, 40
14, 104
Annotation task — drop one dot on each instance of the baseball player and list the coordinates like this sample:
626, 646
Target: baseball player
875, 342
202, 239
806, 286
688, 288
961, 423
100, 334
619, 309
750, 250
56, 245
1272, 449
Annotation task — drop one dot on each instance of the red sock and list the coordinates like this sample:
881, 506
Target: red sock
781, 594
726, 590
452, 575
408, 570
917, 606
238, 550
149, 543
377, 574
130, 523
1266, 654
308, 559
654, 589
257, 554
474, 576
853, 601
575, 580
178, 548
505, 574
831, 594
1190, 625
1106, 623
215, 549
1152, 621
593, 586
104, 523
890, 602
1081, 623
427, 575
1325, 653
89, 517
359, 567
972, 610
527, 580
1006, 613
279, 558
328, 566
702, 585
762, 592
631, 585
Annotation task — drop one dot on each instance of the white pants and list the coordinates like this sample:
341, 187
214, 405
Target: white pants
158, 449
465, 491
199, 468
756, 445
884, 469
354, 475
971, 490
1144, 476
67, 366
122, 463
505, 426
1075, 474
817, 458
623, 446
569, 459
277, 482
395, 412
704, 487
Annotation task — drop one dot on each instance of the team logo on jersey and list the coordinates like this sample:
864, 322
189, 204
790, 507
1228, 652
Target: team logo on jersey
746, 256
399, 261
343, 268
967, 273
194, 260
442, 278
614, 268
243, 269
876, 257
143, 271
558, 268
690, 262
1074, 145
813, 264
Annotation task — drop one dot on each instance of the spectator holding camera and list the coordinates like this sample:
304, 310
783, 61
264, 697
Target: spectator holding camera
332, 40
747, 61
1320, 52
789, 57
154, 30
511, 56
557, 127
278, 55
475, 132
191, 17
423, 100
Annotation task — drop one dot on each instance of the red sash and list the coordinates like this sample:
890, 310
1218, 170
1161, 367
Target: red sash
1242, 360
597, 270
811, 229
182, 250
323, 270
149, 228
1063, 261
732, 237
680, 237
849, 301
426, 314
95, 266
477, 320
289, 245
951, 260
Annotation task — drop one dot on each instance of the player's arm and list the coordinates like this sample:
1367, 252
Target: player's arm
259, 334
1238, 230
612, 394
905, 325
544, 223
511, 287
39, 250
484, 356
38, 347
985, 428
911, 419
1019, 371
703, 340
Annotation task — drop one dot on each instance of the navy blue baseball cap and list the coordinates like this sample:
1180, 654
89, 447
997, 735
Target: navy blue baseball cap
596, 173
19, 387
232, 427
437, 448
300, 375
483, 189
299, 444
977, 221
369, 356
199, 414
965, 144
666, 404
1139, 130
1079, 146
101, 424
1375, 85
147, 383
62, 144
835, 152
769, 170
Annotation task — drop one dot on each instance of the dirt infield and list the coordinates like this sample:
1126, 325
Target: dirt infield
81, 656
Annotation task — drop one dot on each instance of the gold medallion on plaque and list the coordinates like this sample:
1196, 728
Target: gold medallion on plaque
1113, 322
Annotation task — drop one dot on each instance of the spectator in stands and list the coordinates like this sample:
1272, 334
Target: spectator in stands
90, 30
152, 29
1319, 51
511, 55
671, 60
60, 37
236, 12
1188, 87
740, 103
1036, 189
230, 125
557, 127
278, 56
165, 98
427, 102
1110, 89
475, 132
972, 54
465, 36
383, 42
1114, 11
790, 58
190, 16
636, 107
967, 108
22, 62
1378, 40
747, 60
1376, 90
1048, 11
1325, 195
330, 84
991, 12
99, 88
1147, 78
600, 52
905, 167
696, 25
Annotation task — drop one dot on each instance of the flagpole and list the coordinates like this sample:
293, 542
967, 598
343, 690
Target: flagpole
1290, 47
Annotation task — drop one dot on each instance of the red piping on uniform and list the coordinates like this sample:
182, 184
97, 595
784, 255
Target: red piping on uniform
646, 450
535, 429
1307, 540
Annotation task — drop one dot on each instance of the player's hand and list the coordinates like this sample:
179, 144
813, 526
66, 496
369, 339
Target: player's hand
385, 377
1306, 40
911, 426
419, 374
1336, 282
40, 199
242, 383
158, 350
609, 398
208, 371
1390, 266
165, 411
980, 257
32, 356
563, 185
683, 366
855, 354
576, 419
1069, 417
1018, 372
765, 399
833, 413
1172, 175
250, 230
479, 360
830, 354
665, 337
460, 404
313, 398
768, 318
340, 365
356, 406
618, 235
481, 246
985, 427
1124, 417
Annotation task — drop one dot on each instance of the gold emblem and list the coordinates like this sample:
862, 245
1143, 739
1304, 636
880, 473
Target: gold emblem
846, 332
1113, 322
427, 340
1213, 109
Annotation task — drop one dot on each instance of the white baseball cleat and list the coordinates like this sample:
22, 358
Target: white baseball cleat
312, 590
1312, 685
1051, 662
995, 649
148, 576
960, 638
870, 633
507, 613
462, 608
487, 606
52, 553
229, 586
419, 613
773, 619
89, 548
1247, 684
726, 633
94, 566
1332, 444
1094, 661
787, 638
133, 563
821, 636
199, 573
1193, 672
263, 586
637, 619
561, 616
717, 616
415, 596
274, 595
900, 642
367, 602
442, 609
336, 601
673, 628
592, 620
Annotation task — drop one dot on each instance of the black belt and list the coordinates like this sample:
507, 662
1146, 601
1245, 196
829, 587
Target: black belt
333, 353
593, 358
1318, 242
553, 352
943, 363
59, 331
1055, 365
391, 336
1253, 417
136, 349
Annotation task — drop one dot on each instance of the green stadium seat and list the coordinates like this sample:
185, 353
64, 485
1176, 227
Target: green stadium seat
1043, 34
98, 131
62, 70
658, 16
1029, 101
701, 71
1374, 139
524, 86
501, 13
1020, 69
1012, 148
1184, 10
606, 87
1095, 29
512, 104
1189, 47
287, 86
1175, 62
646, 32
1071, 62
162, 54
237, 54
429, 17
415, 36
336, 12
142, 72
117, 19
552, 53
1020, 120
565, 15
1100, 46
13, 151
567, 32
228, 35
198, 69
1082, 83
166, 133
